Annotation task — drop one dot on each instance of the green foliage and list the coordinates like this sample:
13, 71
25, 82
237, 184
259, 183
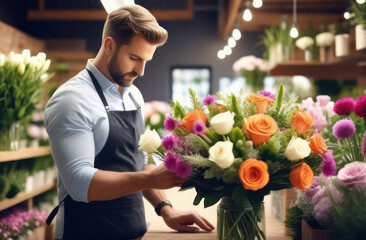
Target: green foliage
314, 161
279, 99
235, 134
293, 222
181, 132
178, 110
359, 11
194, 100
4, 187
283, 116
198, 161
271, 149
213, 136
235, 109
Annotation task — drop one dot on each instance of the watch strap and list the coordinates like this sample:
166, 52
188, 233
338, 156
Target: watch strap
161, 205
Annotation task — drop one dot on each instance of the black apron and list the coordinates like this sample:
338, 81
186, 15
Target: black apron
122, 218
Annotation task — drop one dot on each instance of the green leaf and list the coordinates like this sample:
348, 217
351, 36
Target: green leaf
239, 194
211, 199
279, 99
22, 111
235, 134
150, 159
214, 136
194, 100
197, 200
179, 111
256, 200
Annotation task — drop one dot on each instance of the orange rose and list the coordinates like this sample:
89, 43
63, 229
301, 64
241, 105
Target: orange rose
253, 174
260, 128
262, 102
317, 144
191, 118
301, 176
302, 121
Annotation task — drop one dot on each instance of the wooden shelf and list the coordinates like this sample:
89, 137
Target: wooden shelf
21, 197
24, 153
316, 69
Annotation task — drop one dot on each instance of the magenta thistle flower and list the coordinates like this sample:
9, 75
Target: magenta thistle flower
170, 124
183, 170
169, 143
360, 106
328, 167
344, 106
199, 128
344, 129
171, 161
267, 94
208, 100
364, 145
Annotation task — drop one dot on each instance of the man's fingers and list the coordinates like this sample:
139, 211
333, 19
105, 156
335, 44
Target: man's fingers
200, 222
208, 223
185, 228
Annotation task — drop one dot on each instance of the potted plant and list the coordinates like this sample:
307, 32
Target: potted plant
359, 16
305, 43
324, 41
342, 39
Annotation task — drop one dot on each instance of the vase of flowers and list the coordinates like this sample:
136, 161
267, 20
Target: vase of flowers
324, 41
22, 77
305, 43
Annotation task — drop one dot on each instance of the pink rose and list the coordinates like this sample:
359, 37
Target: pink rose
353, 175
323, 100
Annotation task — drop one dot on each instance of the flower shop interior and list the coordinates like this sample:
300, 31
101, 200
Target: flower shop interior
307, 56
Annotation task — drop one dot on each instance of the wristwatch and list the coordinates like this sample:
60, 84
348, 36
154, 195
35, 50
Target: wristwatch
161, 205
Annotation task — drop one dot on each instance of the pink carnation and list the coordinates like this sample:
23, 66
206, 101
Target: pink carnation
360, 106
171, 162
353, 175
267, 94
344, 106
305, 104
320, 121
170, 124
208, 100
169, 143
199, 128
323, 100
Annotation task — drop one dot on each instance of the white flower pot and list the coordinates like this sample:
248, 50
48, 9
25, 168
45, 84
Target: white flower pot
39, 179
308, 55
360, 37
29, 185
342, 45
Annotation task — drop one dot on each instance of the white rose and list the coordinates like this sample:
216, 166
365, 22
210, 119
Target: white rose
324, 39
155, 119
149, 141
304, 43
223, 123
2, 59
297, 149
222, 154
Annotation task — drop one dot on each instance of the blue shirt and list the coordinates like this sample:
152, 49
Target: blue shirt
78, 128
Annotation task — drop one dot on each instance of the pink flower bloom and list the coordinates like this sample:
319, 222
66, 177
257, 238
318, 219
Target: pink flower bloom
353, 175
344, 129
199, 128
267, 94
360, 106
364, 145
171, 162
208, 100
323, 100
344, 106
320, 121
329, 109
169, 143
183, 170
328, 167
34, 131
305, 104
310, 192
170, 124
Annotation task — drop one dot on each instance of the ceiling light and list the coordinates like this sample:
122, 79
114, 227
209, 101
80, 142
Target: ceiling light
221, 54
231, 42
111, 5
236, 34
257, 3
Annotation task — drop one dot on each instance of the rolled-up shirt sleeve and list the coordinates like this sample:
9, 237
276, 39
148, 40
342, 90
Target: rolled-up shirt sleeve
69, 124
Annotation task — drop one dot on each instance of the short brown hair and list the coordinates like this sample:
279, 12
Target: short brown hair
122, 24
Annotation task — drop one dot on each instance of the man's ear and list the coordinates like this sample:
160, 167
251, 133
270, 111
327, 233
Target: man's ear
109, 46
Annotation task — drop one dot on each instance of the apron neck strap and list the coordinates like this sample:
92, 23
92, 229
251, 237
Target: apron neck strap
99, 91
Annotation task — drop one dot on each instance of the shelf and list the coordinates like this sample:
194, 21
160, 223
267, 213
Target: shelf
21, 197
316, 69
24, 153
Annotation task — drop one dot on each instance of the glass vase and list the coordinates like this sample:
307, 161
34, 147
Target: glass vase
10, 138
238, 221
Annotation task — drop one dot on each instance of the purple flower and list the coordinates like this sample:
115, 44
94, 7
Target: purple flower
208, 100
183, 170
344, 129
329, 167
353, 175
267, 94
171, 161
310, 192
323, 100
199, 128
364, 145
170, 142
360, 106
344, 106
170, 124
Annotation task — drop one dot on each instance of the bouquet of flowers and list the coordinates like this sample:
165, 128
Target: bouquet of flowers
238, 149
155, 114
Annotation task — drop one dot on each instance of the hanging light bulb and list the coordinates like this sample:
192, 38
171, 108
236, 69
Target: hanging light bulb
231, 42
294, 33
247, 15
257, 3
227, 50
236, 34
360, 1
221, 54
346, 15
111, 5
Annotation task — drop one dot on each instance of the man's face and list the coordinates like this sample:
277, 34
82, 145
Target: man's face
128, 62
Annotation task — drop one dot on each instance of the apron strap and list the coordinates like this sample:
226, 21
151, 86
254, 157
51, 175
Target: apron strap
135, 102
52, 215
99, 91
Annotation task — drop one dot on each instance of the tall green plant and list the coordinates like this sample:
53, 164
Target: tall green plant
359, 12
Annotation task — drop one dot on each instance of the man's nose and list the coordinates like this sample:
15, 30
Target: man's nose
140, 69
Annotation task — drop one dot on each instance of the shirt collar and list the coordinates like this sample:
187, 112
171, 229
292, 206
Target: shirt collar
102, 80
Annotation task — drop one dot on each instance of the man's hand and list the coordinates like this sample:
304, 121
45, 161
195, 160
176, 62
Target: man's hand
182, 221
162, 178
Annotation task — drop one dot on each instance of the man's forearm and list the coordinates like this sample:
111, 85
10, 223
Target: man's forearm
154, 196
108, 185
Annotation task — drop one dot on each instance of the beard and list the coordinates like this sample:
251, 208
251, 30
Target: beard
122, 79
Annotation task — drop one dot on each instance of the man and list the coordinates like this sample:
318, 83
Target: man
94, 122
